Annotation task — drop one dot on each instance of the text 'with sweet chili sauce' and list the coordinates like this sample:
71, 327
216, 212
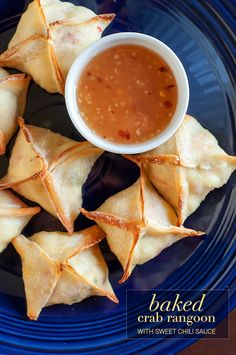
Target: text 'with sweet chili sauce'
127, 94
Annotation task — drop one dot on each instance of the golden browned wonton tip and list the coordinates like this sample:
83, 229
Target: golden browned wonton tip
14, 216
58, 268
49, 36
13, 92
139, 224
50, 169
187, 167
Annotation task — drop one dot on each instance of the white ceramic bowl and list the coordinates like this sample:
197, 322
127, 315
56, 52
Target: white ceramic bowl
111, 41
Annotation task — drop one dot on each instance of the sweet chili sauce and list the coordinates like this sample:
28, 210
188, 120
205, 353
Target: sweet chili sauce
127, 94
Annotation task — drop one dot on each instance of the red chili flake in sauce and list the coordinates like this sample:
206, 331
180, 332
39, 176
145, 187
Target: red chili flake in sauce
163, 69
99, 79
124, 133
167, 104
99, 29
171, 86
89, 73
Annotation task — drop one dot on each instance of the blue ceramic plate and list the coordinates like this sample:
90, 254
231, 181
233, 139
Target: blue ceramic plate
201, 33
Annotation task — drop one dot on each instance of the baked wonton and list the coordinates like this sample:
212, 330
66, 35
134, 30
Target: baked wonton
14, 215
58, 268
187, 167
50, 169
139, 224
49, 36
13, 92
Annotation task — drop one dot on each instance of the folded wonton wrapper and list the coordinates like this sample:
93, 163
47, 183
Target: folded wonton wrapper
187, 167
58, 268
139, 224
50, 169
13, 92
14, 216
49, 36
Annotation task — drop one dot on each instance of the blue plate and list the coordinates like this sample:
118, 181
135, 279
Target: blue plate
201, 33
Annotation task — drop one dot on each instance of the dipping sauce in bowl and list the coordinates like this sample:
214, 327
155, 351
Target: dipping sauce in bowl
127, 94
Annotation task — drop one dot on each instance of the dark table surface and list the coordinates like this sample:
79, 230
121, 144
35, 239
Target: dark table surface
216, 346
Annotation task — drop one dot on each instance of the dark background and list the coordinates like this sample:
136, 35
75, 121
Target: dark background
13, 7
214, 346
